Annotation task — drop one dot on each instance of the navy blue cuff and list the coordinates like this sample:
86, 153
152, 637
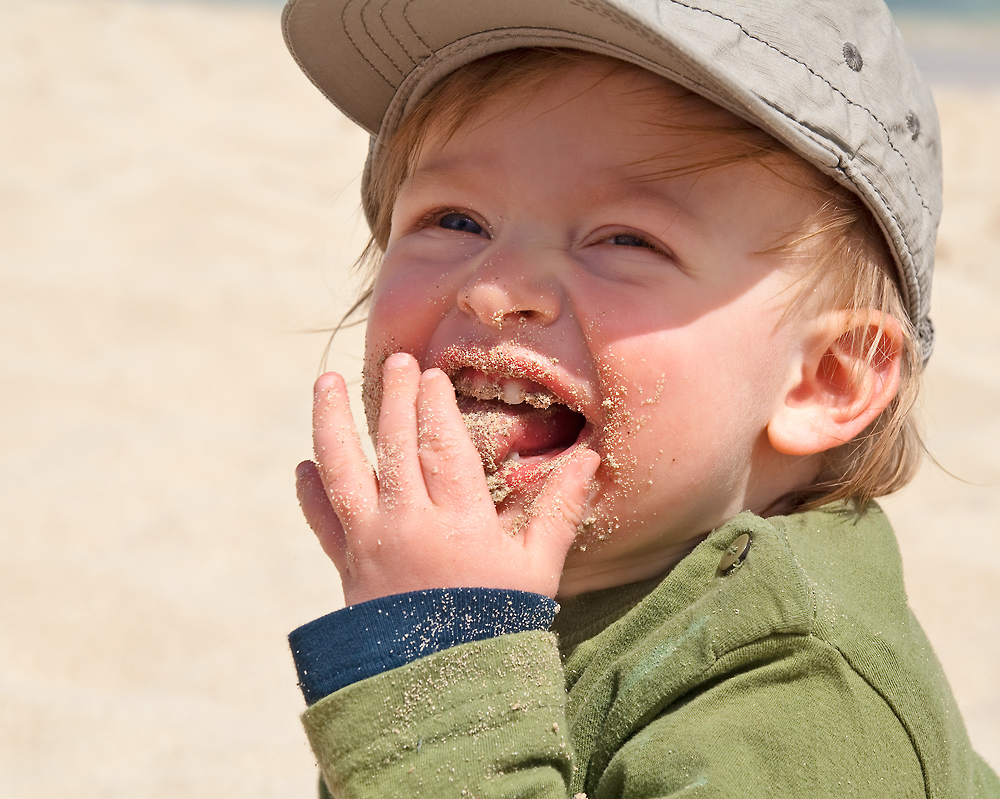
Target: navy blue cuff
363, 640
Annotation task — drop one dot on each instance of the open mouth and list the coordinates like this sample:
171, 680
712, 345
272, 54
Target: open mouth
514, 423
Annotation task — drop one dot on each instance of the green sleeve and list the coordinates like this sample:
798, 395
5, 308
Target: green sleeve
485, 719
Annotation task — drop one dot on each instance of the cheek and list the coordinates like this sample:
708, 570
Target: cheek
682, 402
404, 308
391, 327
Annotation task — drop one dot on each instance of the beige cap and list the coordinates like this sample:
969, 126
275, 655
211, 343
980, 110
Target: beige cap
829, 78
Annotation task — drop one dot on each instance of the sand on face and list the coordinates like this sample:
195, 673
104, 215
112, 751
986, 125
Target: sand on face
178, 208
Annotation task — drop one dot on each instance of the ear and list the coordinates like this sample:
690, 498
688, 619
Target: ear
848, 377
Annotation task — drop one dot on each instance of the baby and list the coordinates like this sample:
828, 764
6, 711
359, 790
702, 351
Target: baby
647, 318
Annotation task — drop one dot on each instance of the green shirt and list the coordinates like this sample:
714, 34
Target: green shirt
798, 671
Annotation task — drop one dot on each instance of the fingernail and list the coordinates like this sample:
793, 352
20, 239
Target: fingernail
433, 374
325, 380
303, 469
398, 360
588, 505
592, 462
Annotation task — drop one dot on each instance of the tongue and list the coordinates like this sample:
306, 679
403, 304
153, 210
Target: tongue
536, 432
499, 431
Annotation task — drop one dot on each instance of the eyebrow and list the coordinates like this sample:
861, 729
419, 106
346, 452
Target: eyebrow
620, 184
671, 196
440, 169
638, 186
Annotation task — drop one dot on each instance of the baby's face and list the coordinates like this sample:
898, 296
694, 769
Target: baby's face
580, 285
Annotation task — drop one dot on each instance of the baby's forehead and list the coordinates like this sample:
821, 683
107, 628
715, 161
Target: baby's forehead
463, 95
657, 128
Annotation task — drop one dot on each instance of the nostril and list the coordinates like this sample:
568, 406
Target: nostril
501, 318
495, 308
515, 297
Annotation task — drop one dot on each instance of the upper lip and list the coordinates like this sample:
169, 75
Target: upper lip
520, 363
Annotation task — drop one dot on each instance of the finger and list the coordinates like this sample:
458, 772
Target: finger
319, 512
452, 469
559, 509
346, 474
396, 442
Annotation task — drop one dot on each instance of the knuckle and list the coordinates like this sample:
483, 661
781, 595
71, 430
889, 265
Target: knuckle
434, 442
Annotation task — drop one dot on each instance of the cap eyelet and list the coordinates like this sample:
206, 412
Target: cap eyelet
852, 57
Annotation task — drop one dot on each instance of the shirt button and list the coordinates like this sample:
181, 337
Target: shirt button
735, 553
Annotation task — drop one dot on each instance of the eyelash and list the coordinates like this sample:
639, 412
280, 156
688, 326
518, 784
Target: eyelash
433, 218
641, 241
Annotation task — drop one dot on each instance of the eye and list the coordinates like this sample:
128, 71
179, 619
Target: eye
630, 240
635, 240
630, 247
460, 222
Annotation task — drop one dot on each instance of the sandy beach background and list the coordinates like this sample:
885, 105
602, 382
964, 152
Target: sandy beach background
178, 210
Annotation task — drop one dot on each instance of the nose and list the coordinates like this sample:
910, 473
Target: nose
512, 288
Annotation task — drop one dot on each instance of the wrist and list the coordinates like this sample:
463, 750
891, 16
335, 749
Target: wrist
372, 637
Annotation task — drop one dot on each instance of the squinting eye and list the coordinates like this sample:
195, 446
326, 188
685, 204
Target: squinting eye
463, 223
630, 240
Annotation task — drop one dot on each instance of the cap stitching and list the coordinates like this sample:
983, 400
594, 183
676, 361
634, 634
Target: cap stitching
396, 39
406, 16
343, 21
401, 69
867, 111
909, 270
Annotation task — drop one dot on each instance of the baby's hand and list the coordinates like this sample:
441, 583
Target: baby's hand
427, 519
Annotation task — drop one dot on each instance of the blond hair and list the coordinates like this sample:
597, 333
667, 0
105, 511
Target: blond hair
852, 268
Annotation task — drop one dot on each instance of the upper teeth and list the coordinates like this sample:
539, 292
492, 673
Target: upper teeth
512, 391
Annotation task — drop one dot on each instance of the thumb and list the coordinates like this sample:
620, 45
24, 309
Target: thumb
319, 512
559, 509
